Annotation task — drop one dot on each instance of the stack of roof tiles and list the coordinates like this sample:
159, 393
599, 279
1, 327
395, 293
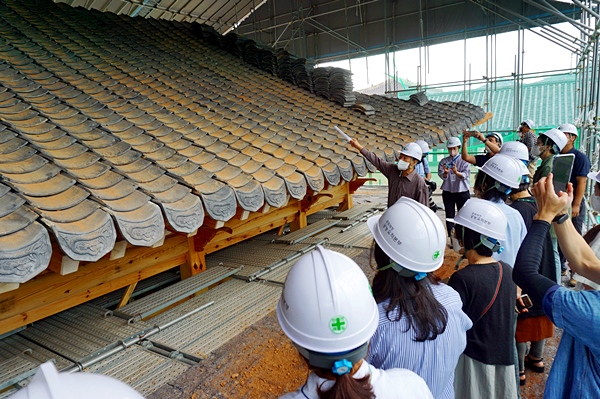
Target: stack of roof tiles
113, 127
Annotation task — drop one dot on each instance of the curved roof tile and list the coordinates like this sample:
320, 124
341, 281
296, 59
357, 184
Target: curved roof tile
106, 134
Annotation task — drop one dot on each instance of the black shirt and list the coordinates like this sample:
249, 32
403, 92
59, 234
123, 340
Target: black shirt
491, 340
527, 207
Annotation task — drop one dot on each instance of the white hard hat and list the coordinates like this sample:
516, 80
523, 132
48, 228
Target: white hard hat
413, 150
483, 217
516, 149
595, 176
558, 136
326, 305
411, 235
453, 142
424, 146
49, 384
498, 137
529, 123
568, 128
504, 169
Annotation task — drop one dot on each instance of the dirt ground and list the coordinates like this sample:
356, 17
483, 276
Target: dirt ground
262, 363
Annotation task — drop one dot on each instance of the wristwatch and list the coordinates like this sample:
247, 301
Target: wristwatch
560, 218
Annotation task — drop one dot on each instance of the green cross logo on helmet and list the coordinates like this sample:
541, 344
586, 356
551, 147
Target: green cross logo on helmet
436, 255
338, 324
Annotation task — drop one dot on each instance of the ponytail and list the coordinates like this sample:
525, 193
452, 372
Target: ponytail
347, 387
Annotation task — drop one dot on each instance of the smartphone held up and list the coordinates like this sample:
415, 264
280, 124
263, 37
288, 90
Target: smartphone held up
562, 169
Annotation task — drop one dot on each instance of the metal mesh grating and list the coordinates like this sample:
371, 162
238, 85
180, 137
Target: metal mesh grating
80, 331
308, 231
355, 212
143, 370
358, 236
143, 286
237, 305
160, 300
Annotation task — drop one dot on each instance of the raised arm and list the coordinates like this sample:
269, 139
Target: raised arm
464, 152
386, 168
580, 256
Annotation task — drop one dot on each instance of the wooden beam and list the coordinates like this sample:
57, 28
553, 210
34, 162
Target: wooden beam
126, 295
50, 293
358, 183
195, 263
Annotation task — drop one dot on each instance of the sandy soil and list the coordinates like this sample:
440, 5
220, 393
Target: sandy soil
262, 363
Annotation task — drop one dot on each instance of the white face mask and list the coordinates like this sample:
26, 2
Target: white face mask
403, 165
535, 151
596, 203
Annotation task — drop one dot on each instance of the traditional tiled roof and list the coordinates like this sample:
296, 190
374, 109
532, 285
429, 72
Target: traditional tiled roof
115, 127
548, 102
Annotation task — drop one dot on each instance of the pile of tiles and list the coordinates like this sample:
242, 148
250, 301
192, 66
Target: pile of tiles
115, 128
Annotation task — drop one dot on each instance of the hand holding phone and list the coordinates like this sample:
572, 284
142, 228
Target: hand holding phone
561, 169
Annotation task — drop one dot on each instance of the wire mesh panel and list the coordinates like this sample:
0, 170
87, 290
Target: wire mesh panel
79, 331
237, 305
166, 297
143, 370
143, 286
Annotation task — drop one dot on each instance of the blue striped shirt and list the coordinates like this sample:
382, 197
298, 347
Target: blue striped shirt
434, 361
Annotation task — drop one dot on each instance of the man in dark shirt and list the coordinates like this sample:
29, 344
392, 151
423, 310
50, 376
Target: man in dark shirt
493, 142
403, 180
581, 167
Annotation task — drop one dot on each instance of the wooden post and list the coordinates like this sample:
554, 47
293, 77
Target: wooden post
195, 263
299, 222
347, 201
126, 295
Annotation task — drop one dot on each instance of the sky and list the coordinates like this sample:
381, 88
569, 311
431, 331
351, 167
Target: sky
447, 61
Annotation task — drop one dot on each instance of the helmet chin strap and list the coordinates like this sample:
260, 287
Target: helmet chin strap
338, 363
404, 272
487, 242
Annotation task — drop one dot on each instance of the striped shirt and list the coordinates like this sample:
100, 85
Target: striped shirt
434, 361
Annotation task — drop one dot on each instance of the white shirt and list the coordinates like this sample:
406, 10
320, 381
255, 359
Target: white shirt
515, 234
387, 384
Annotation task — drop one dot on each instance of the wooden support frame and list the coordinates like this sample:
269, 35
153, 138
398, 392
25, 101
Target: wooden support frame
50, 292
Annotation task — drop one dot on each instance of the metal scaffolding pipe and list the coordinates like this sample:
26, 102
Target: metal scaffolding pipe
126, 343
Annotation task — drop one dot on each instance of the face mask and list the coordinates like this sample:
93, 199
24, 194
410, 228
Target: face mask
403, 165
535, 151
596, 202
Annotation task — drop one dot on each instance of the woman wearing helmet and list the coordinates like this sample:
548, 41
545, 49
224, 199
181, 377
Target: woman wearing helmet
486, 368
454, 173
419, 317
328, 311
493, 143
494, 182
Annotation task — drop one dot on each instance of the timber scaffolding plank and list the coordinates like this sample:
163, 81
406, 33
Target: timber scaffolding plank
162, 299
50, 293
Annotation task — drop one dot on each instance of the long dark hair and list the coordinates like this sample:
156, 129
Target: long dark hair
348, 387
410, 297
